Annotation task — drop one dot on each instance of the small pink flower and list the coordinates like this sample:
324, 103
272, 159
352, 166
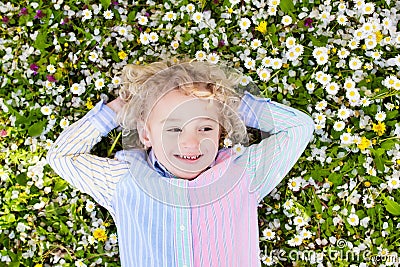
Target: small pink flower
3, 133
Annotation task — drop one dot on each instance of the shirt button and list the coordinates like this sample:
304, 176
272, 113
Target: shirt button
183, 229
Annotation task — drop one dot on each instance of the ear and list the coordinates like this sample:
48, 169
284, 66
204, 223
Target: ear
143, 132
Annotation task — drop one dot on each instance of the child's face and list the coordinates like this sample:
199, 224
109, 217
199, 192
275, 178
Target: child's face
183, 132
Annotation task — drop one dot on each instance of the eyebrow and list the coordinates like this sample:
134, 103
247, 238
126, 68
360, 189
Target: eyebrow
179, 120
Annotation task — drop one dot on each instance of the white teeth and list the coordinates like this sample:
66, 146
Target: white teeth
188, 157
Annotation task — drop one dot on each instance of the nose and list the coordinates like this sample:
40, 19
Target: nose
188, 139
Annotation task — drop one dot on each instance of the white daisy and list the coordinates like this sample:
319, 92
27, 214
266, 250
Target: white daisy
46, 110
353, 44
353, 219
190, 8
295, 241
355, 63
250, 63
244, 24
390, 81
290, 42
276, 63
310, 86
370, 43
108, 14
77, 89
274, 3
346, 139
93, 56
299, 49
144, 38
238, 149
175, 44
349, 84
352, 94
393, 183
271, 11
116, 81
332, 88
291, 55
268, 234
245, 80
51, 68
343, 113
142, 20
122, 31
368, 8
197, 17
201, 55
294, 184
286, 20
343, 53
305, 234
99, 83
89, 206
266, 62
320, 118
288, 204
213, 58
64, 123
169, 16
255, 43
153, 37
359, 34
339, 126
342, 19
321, 105
380, 116
86, 14
264, 74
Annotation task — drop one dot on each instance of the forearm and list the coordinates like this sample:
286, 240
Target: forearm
270, 116
71, 159
81, 136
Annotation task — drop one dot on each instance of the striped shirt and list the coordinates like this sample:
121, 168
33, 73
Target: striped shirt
163, 221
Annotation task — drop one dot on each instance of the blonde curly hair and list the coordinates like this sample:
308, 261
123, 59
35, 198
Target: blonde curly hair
143, 85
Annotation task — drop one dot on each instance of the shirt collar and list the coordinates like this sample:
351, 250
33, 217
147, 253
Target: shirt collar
159, 168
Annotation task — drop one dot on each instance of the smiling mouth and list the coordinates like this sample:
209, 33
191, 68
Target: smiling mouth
187, 157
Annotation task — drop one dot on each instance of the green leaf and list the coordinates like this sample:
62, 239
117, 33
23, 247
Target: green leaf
379, 164
60, 185
272, 29
286, 6
392, 206
320, 41
392, 114
37, 128
9, 218
317, 204
335, 178
105, 3
21, 179
41, 41
388, 144
132, 16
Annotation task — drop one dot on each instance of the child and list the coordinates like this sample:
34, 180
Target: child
176, 196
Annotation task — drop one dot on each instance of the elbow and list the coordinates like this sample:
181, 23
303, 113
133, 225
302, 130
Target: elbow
308, 127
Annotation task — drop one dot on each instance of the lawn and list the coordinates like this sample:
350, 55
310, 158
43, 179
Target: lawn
337, 61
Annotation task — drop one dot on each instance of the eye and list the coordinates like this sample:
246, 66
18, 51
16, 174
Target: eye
174, 130
206, 129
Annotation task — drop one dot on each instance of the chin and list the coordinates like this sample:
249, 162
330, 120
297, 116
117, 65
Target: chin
188, 176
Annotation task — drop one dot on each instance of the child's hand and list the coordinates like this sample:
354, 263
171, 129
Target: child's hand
116, 105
